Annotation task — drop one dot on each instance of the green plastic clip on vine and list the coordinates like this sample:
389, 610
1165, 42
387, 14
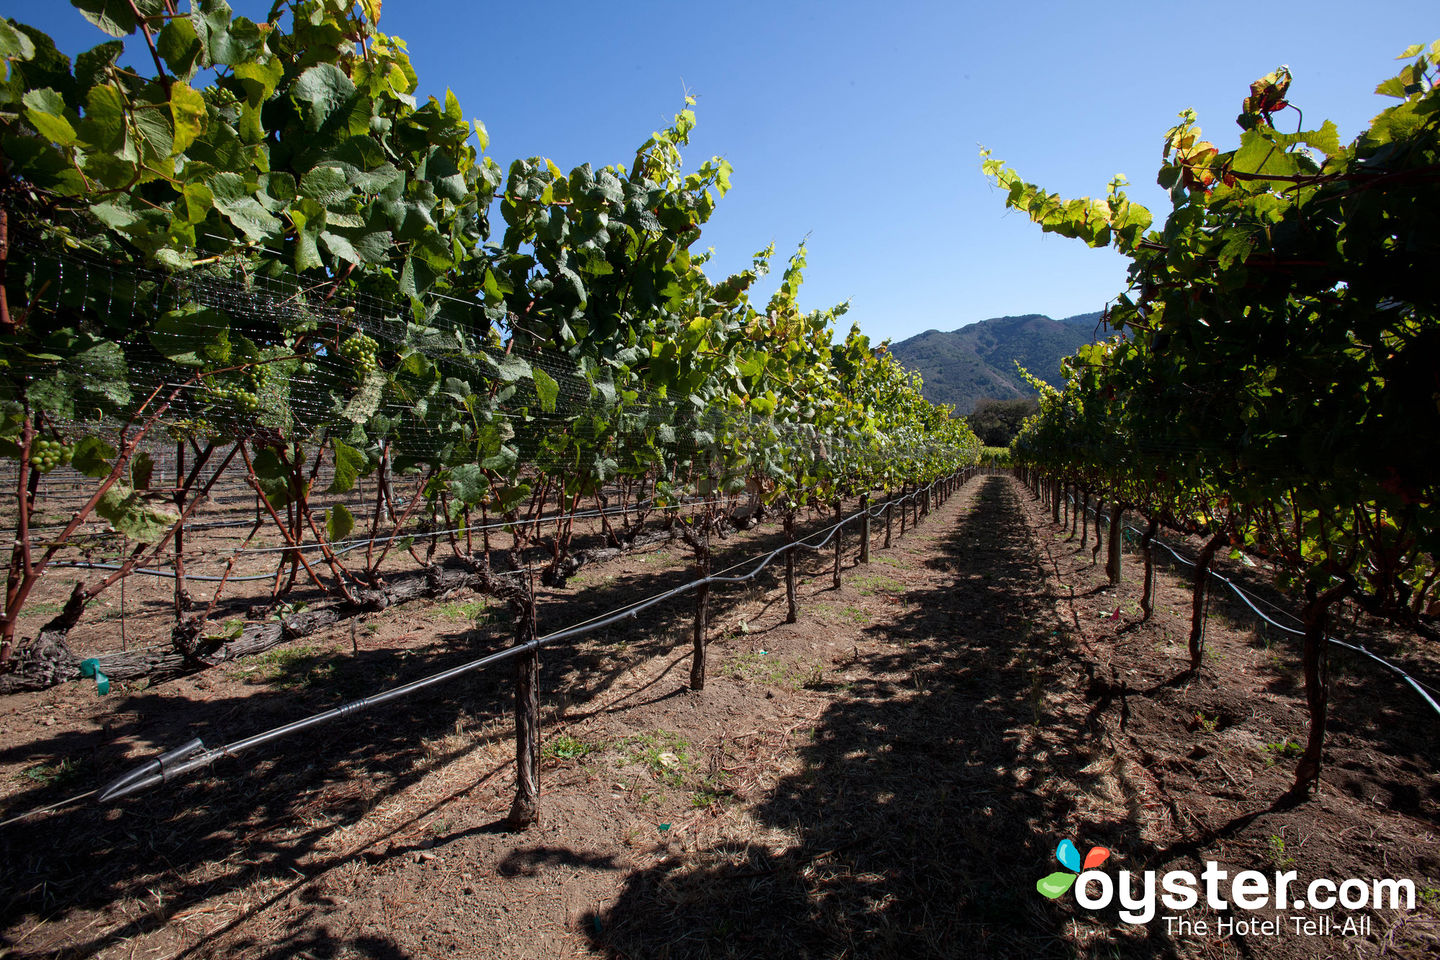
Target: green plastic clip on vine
91, 668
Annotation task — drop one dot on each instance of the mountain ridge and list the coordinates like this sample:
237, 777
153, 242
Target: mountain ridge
977, 361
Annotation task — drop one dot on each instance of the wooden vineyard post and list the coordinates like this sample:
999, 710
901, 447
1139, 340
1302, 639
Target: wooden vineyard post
526, 808
182, 598
903, 508
1099, 515
1117, 537
839, 545
1200, 591
1147, 546
865, 527
889, 510
790, 611
702, 608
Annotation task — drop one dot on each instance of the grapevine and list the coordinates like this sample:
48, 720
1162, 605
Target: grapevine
1274, 362
299, 190
277, 189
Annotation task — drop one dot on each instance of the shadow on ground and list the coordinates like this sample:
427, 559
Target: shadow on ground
922, 823
266, 818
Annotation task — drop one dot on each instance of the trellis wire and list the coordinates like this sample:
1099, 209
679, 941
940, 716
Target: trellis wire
194, 754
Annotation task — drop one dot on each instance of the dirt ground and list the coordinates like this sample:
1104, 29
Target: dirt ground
888, 777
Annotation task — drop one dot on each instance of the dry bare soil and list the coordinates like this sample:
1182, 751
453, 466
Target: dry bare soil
889, 777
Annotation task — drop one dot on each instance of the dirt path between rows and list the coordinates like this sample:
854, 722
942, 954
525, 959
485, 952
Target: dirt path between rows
889, 777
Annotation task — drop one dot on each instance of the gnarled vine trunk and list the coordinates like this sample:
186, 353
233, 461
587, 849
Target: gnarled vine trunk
1198, 593
1147, 547
1314, 658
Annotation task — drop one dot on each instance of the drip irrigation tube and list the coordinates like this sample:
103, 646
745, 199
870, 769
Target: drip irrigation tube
1249, 601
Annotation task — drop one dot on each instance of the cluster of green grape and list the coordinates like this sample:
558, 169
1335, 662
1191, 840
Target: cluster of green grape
361, 351
241, 401
46, 455
196, 427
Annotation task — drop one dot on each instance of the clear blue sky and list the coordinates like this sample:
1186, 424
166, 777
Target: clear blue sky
859, 124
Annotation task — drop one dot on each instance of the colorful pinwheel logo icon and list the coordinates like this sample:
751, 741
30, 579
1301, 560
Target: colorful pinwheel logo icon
1061, 880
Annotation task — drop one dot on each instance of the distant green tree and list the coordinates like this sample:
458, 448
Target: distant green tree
996, 422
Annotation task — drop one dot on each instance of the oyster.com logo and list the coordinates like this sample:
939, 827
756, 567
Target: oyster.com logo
1057, 883
1275, 904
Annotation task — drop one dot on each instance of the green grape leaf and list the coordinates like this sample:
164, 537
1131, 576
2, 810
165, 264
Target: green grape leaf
502, 461
14, 45
468, 484
261, 76
508, 498
104, 377
136, 515
196, 202
187, 110
233, 198
272, 476
320, 92
546, 388
92, 66
349, 466
180, 47
367, 399
339, 521
269, 465
45, 109
1393, 87
115, 17
373, 247
92, 457
104, 124
142, 468
509, 368
192, 336
157, 133
340, 247
327, 183
1326, 139
230, 42
307, 245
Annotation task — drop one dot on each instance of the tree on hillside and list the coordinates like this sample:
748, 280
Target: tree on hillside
996, 422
